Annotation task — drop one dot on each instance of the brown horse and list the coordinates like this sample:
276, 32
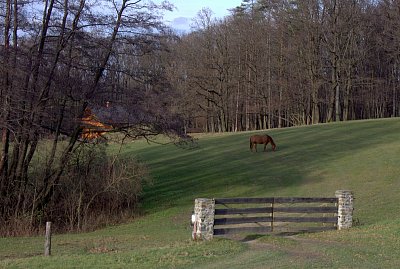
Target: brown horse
261, 139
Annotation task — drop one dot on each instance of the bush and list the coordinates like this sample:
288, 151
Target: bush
97, 189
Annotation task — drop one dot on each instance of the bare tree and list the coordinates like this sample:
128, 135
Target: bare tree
74, 58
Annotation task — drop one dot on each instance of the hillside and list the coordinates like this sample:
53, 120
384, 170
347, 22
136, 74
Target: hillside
361, 156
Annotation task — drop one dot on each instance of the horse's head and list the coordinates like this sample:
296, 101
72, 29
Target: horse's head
273, 146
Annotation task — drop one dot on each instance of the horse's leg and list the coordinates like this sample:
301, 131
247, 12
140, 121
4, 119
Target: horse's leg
265, 146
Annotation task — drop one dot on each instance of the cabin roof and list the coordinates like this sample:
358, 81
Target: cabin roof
112, 115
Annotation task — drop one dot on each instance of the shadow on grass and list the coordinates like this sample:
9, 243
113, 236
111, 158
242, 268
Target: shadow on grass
252, 237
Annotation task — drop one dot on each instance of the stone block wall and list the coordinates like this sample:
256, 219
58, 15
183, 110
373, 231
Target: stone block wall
345, 209
203, 225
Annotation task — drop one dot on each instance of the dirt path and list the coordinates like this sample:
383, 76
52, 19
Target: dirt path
294, 246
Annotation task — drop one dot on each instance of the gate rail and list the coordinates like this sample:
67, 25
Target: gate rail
264, 215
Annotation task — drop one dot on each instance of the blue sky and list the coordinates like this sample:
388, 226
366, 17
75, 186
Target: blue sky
186, 10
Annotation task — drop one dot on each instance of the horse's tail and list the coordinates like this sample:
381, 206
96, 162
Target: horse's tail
251, 145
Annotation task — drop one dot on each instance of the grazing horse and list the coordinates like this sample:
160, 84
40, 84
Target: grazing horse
261, 139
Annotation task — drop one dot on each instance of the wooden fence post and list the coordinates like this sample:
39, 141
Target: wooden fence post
47, 243
272, 214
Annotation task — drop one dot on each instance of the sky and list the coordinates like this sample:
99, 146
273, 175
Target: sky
185, 10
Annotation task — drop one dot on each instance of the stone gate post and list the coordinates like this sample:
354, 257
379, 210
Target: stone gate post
203, 219
345, 209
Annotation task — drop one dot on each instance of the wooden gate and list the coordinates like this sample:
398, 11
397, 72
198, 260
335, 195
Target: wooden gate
279, 214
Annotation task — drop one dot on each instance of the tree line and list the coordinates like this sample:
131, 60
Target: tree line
278, 63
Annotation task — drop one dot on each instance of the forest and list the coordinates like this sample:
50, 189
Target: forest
274, 64
269, 64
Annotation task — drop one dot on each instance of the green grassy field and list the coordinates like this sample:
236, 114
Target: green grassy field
315, 161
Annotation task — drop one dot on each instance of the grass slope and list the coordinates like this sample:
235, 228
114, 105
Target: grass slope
362, 156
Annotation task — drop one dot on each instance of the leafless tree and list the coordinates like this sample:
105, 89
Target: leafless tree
57, 60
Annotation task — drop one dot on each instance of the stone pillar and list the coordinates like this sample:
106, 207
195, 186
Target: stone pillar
203, 226
345, 209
